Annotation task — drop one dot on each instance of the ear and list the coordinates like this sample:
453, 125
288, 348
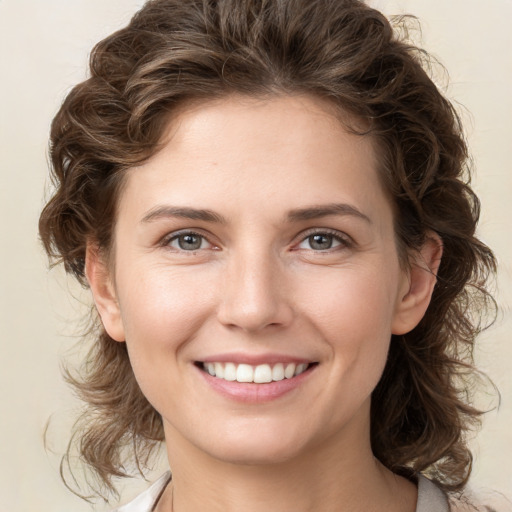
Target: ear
418, 285
103, 291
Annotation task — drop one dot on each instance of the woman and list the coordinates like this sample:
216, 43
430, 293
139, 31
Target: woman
269, 202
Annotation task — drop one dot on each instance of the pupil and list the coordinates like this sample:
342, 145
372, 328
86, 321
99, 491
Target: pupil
321, 241
189, 242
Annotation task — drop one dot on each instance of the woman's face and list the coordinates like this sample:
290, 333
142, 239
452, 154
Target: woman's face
257, 243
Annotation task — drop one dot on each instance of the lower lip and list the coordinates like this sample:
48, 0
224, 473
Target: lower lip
256, 393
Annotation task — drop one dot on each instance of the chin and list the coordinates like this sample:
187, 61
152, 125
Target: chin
250, 455
258, 445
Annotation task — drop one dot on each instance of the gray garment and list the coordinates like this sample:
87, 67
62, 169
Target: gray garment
430, 497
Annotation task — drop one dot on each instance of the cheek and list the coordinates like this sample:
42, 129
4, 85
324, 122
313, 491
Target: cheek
351, 301
353, 312
161, 310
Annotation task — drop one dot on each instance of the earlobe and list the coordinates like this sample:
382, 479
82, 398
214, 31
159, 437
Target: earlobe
415, 298
103, 291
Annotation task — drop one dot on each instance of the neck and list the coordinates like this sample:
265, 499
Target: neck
332, 476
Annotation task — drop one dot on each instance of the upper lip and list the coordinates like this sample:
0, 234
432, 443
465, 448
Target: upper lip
254, 359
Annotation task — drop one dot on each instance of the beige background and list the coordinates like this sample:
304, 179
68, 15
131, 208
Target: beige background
43, 51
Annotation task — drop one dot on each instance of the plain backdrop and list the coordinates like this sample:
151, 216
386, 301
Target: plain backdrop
44, 46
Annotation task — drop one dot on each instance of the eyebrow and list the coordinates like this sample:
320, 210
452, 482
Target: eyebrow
318, 211
161, 212
295, 215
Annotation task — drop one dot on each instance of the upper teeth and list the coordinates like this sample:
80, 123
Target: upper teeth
259, 374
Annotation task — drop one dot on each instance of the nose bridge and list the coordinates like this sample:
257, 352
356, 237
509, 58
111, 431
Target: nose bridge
254, 293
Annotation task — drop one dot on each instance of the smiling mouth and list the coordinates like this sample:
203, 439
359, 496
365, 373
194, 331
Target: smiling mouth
258, 374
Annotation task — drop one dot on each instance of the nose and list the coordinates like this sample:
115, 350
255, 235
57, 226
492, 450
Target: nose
255, 295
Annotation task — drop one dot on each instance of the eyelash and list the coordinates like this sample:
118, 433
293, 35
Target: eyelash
166, 241
345, 242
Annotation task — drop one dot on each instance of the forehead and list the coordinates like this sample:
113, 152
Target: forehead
294, 118
242, 151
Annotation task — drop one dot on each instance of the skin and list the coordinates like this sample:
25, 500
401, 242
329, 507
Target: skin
256, 286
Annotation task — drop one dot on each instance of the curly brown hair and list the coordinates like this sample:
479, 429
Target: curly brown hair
175, 51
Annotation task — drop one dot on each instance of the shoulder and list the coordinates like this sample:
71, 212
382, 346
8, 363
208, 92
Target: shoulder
432, 499
146, 501
469, 501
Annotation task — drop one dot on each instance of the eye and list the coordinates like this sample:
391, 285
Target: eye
188, 241
323, 241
